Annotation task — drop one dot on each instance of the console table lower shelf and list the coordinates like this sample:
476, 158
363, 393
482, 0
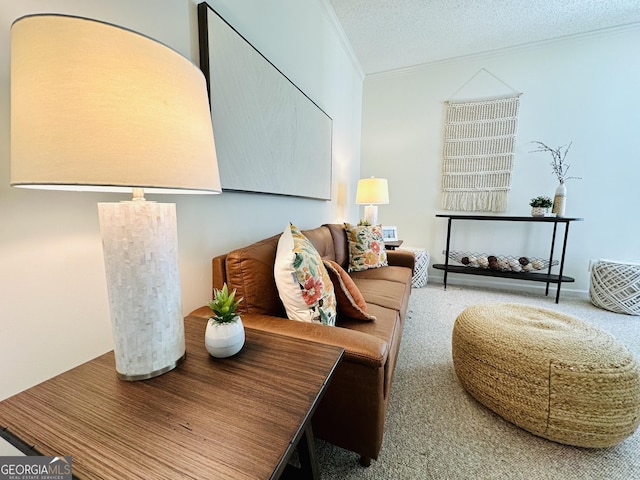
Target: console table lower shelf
533, 277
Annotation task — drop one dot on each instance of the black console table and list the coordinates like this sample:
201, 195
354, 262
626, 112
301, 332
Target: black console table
547, 278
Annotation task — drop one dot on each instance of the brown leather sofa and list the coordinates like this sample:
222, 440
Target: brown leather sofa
352, 412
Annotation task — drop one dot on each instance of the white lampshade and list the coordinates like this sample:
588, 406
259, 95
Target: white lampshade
99, 107
373, 191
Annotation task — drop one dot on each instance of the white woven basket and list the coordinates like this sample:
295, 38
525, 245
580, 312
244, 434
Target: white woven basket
615, 286
420, 272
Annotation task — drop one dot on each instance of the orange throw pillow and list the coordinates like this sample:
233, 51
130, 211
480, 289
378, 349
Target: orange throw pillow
350, 301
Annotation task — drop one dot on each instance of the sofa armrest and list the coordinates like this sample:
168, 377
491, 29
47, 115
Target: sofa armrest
359, 347
401, 258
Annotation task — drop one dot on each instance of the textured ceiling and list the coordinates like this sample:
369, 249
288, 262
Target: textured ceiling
393, 34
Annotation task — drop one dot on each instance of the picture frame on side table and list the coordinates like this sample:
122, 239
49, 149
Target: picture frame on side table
390, 233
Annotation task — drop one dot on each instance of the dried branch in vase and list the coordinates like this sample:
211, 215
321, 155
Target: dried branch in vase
558, 163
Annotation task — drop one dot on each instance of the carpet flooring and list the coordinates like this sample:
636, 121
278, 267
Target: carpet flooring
435, 430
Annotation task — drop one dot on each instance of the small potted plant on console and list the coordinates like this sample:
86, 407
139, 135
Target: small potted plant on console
540, 205
225, 332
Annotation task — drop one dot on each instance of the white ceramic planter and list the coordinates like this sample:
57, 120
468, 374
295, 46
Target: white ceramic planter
224, 339
538, 211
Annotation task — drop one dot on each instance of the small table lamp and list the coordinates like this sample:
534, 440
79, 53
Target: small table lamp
372, 192
97, 107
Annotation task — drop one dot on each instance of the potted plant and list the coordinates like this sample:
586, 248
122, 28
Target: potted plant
224, 335
540, 205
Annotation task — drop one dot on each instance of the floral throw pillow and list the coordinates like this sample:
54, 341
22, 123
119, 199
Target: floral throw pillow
366, 247
303, 282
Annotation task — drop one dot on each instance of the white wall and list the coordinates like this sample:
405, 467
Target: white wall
54, 312
582, 89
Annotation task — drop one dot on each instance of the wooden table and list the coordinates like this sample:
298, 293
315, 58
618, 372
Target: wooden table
392, 244
240, 417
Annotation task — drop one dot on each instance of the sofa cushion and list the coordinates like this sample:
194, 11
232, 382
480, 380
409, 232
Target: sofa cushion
302, 280
387, 327
250, 271
339, 236
350, 301
391, 273
384, 293
322, 241
366, 247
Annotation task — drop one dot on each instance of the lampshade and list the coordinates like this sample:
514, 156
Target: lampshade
372, 191
99, 107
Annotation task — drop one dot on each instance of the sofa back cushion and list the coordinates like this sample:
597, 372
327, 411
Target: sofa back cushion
339, 237
322, 241
250, 269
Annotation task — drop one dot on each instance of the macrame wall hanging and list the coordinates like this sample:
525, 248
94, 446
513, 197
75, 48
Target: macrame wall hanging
477, 157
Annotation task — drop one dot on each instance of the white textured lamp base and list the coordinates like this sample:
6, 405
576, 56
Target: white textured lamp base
140, 245
371, 214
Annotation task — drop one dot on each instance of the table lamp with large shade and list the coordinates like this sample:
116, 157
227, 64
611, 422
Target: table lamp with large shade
372, 192
97, 107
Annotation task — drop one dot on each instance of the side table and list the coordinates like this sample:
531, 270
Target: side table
231, 418
392, 245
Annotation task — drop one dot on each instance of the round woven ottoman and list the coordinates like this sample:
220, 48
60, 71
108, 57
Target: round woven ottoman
615, 286
551, 374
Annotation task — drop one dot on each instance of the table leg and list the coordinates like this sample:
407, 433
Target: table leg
446, 258
307, 455
553, 243
564, 248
